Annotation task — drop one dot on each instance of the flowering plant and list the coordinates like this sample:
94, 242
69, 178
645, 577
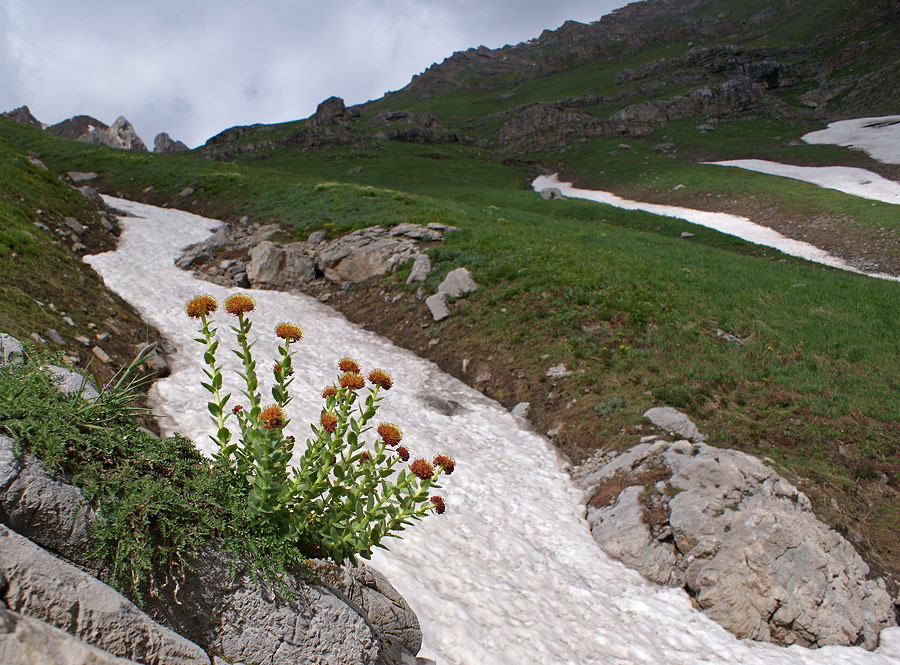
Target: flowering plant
343, 499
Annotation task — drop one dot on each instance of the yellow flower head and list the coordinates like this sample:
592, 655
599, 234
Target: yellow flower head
239, 303
201, 306
289, 331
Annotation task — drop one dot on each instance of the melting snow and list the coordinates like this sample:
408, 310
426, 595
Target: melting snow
510, 574
879, 137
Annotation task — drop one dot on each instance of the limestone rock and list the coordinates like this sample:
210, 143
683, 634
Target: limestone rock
437, 305
457, 283
71, 382
48, 510
741, 539
163, 143
81, 176
364, 254
276, 266
420, 268
549, 193
10, 350
672, 420
84, 128
27, 641
39, 585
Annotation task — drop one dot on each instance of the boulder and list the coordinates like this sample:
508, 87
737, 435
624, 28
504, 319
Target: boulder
329, 111
739, 538
364, 254
549, 193
420, 268
163, 144
27, 641
39, 585
81, 176
274, 266
437, 305
10, 350
457, 283
672, 420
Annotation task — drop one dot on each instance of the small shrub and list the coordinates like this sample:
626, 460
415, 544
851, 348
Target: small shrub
343, 499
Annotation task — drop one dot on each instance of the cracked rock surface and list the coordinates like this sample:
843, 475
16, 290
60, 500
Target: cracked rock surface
741, 540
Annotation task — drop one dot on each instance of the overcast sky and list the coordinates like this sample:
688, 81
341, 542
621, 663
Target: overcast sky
195, 67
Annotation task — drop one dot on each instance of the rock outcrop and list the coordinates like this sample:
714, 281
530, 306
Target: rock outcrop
84, 128
23, 115
739, 538
254, 260
163, 143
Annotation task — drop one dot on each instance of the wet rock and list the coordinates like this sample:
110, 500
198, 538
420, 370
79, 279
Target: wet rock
672, 420
742, 540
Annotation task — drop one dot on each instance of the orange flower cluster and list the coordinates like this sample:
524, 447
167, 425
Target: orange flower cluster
348, 365
239, 303
422, 468
328, 421
201, 306
446, 462
381, 378
328, 391
389, 433
272, 417
352, 380
289, 331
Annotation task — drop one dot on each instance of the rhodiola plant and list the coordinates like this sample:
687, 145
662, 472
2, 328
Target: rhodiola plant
344, 498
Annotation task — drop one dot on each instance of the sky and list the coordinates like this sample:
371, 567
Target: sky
193, 68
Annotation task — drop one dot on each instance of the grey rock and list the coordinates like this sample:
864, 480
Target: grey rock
549, 193
329, 111
10, 350
163, 144
672, 420
437, 305
81, 176
187, 191
442, 405
39, 585
415, 231
37, 338
28, 641
742, 540
221, 609
90, 194
276, 266
364, 254
46, 509
71, 382
54, 336
663, 147
457, 283
521, 410
705, 128
686, 234
317, 237
387, 612
420, 268
558, 371
36, 162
